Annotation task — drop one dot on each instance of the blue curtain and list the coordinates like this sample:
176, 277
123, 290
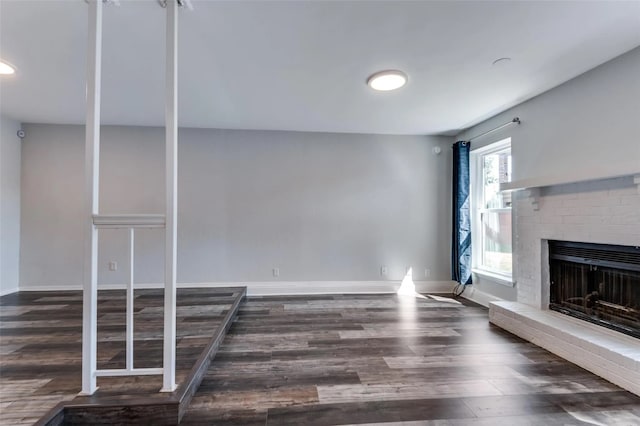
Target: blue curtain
461, 229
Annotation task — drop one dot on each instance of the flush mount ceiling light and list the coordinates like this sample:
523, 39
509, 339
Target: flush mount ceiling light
384, 81
6, 68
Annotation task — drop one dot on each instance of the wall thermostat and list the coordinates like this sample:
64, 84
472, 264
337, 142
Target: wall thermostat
21, 134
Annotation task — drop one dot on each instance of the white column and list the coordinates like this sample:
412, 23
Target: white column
171, 128
92, 162
129, 347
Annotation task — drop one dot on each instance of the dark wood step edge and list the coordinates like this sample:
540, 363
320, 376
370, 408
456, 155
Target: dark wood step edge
144, 409
187, 389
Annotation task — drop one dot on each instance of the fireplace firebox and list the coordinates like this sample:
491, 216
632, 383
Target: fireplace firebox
599, 283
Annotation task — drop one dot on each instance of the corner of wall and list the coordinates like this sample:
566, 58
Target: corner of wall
480, 297
10, 186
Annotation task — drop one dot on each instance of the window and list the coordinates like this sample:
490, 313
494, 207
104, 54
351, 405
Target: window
491, 229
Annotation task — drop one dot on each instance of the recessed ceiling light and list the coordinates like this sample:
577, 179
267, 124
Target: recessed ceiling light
387, 80
6, 68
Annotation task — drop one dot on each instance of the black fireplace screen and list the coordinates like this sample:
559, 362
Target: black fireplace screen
598, 283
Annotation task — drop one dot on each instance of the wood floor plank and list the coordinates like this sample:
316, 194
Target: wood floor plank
330, 394
375, 334
455, 360
434, 374
262, 399
369, 412
225, 417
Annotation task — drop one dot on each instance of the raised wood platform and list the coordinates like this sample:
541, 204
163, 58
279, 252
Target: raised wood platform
40, 351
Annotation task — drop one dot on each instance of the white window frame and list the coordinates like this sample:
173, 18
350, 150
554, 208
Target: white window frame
476, 189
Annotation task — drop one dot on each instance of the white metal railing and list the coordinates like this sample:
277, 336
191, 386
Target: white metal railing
95, 221
129, 222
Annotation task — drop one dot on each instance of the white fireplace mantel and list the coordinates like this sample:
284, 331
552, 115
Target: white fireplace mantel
572, 176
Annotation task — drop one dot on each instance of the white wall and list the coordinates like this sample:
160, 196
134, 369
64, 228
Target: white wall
321, 207
585, 128
9, 205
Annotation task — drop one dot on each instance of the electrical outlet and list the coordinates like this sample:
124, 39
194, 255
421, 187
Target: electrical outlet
384, 271
427, 272
113, 265
276, 272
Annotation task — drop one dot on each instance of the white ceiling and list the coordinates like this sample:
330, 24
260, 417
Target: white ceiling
302, 65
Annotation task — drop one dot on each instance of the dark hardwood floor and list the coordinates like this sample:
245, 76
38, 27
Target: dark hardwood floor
370, 359
41, 345
314, 360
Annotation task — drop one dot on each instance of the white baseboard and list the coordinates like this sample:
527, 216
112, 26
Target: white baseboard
77, 287
9, 291
480, 297
273, 288
341, 287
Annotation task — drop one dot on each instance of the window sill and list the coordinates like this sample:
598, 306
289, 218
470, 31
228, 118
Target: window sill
505, 280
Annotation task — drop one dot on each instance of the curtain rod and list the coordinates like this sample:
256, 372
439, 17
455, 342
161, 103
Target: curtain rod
516, 120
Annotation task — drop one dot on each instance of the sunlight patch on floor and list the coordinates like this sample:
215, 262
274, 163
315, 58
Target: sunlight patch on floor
408, 289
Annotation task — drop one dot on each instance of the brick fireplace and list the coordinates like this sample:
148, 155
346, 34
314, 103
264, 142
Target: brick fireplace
603, 211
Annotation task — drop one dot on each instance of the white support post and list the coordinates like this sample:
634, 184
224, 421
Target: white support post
171, 117
129, 349
92, 162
